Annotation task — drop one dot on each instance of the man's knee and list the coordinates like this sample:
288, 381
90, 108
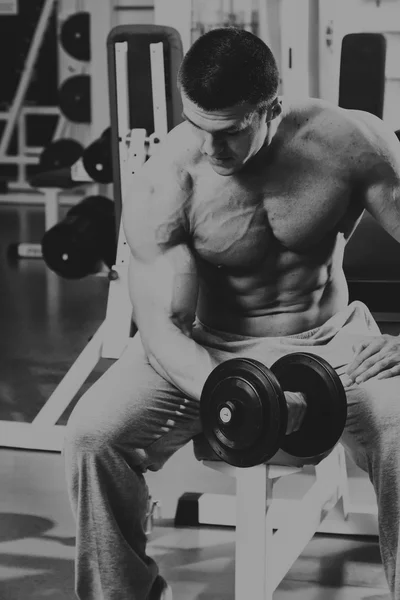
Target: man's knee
83, 433
374, 413
88, 434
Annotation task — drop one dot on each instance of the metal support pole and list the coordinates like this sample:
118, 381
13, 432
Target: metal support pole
26, 75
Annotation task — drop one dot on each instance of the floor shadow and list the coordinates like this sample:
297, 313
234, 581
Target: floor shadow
14, 526
51, 578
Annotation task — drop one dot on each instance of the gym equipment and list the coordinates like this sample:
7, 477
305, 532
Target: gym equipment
362, 72
23, 250
245, 415
326, 412
243, 412
130, 148
97, 158
59, 154
153, 106
74, 99
54, 171
75, 36
83, 241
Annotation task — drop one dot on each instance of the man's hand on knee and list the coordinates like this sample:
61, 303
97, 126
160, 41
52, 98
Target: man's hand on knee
377, 356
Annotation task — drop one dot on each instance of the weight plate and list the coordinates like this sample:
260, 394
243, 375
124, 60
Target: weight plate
243, 412
74, 99
97, 160
75, 36
326, 412
100, 211
95, 207
71, 248
59, 154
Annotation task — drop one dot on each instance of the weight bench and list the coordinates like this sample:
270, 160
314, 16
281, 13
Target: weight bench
262, 556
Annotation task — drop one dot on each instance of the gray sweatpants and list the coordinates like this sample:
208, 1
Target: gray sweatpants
132, 420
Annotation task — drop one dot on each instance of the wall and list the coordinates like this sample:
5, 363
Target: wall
356, 16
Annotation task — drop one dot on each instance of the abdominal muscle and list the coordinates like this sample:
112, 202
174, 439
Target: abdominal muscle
288, 303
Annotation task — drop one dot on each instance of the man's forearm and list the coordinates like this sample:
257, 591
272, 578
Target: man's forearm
180, 360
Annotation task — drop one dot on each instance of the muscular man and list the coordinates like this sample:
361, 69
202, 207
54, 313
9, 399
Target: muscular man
237, 228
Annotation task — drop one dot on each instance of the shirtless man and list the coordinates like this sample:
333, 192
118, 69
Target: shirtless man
237, 229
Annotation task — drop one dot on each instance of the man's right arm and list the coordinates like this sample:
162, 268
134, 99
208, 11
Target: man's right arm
163, 281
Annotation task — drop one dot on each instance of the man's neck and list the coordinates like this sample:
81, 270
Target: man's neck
267, 150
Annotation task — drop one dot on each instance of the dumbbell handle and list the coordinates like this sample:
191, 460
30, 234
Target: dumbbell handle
296, 403
297, 406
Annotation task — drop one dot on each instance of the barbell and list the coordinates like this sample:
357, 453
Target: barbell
244, 412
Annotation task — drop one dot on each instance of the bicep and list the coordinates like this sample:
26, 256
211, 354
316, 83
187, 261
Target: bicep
383, 203
162, 278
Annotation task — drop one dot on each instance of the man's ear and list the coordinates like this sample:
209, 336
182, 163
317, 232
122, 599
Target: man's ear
276, 109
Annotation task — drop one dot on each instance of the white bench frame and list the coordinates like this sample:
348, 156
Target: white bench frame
262, 556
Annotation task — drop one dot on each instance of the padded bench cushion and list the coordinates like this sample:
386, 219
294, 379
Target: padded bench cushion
138, 39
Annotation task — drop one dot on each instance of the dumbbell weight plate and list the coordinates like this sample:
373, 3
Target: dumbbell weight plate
70, 248
326, 412
101, 210
77, 246
75, 36
243, 412
74, 98
97, 161
59, 154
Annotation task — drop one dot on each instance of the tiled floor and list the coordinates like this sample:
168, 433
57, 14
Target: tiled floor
45, 323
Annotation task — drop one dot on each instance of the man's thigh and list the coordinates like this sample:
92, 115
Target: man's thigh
373, 419
132, 407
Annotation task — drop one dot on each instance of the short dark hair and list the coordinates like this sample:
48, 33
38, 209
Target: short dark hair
229, 66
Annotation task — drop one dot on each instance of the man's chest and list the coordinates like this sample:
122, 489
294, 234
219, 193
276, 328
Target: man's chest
246, 220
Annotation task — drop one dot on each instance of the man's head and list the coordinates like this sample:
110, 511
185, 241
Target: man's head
228, 81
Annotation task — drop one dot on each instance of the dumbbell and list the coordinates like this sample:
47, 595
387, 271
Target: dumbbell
59, 154
244, 412
83, 241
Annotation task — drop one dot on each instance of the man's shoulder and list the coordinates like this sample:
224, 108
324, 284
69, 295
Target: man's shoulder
169, 166
156, 201
179, 148
351, 130
318, 118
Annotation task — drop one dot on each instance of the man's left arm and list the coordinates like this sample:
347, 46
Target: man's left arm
380, 356
380, 182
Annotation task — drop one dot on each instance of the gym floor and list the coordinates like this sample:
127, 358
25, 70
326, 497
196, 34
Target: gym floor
45, 322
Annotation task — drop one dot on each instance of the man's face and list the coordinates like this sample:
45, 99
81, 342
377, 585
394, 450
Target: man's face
228, 137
